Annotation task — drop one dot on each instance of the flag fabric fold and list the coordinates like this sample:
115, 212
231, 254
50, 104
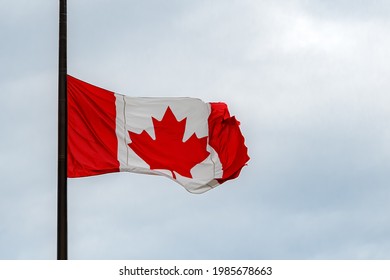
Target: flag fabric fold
197, 144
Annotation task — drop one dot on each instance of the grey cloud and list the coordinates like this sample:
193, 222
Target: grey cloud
308, 85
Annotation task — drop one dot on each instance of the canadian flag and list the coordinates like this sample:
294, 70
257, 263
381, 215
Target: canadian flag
194, 143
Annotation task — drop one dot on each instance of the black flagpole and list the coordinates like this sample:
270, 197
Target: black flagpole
62, 212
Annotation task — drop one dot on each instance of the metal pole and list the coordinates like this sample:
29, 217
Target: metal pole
62, 212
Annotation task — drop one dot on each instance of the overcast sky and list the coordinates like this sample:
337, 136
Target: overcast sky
309, 81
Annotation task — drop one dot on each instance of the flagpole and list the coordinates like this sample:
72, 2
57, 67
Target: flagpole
62, 215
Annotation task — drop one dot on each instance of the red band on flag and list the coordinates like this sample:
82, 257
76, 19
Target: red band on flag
227, 140
92, 141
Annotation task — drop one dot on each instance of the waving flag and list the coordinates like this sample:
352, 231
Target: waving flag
197, 144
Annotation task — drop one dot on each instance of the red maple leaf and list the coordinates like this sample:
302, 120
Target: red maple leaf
169, 151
